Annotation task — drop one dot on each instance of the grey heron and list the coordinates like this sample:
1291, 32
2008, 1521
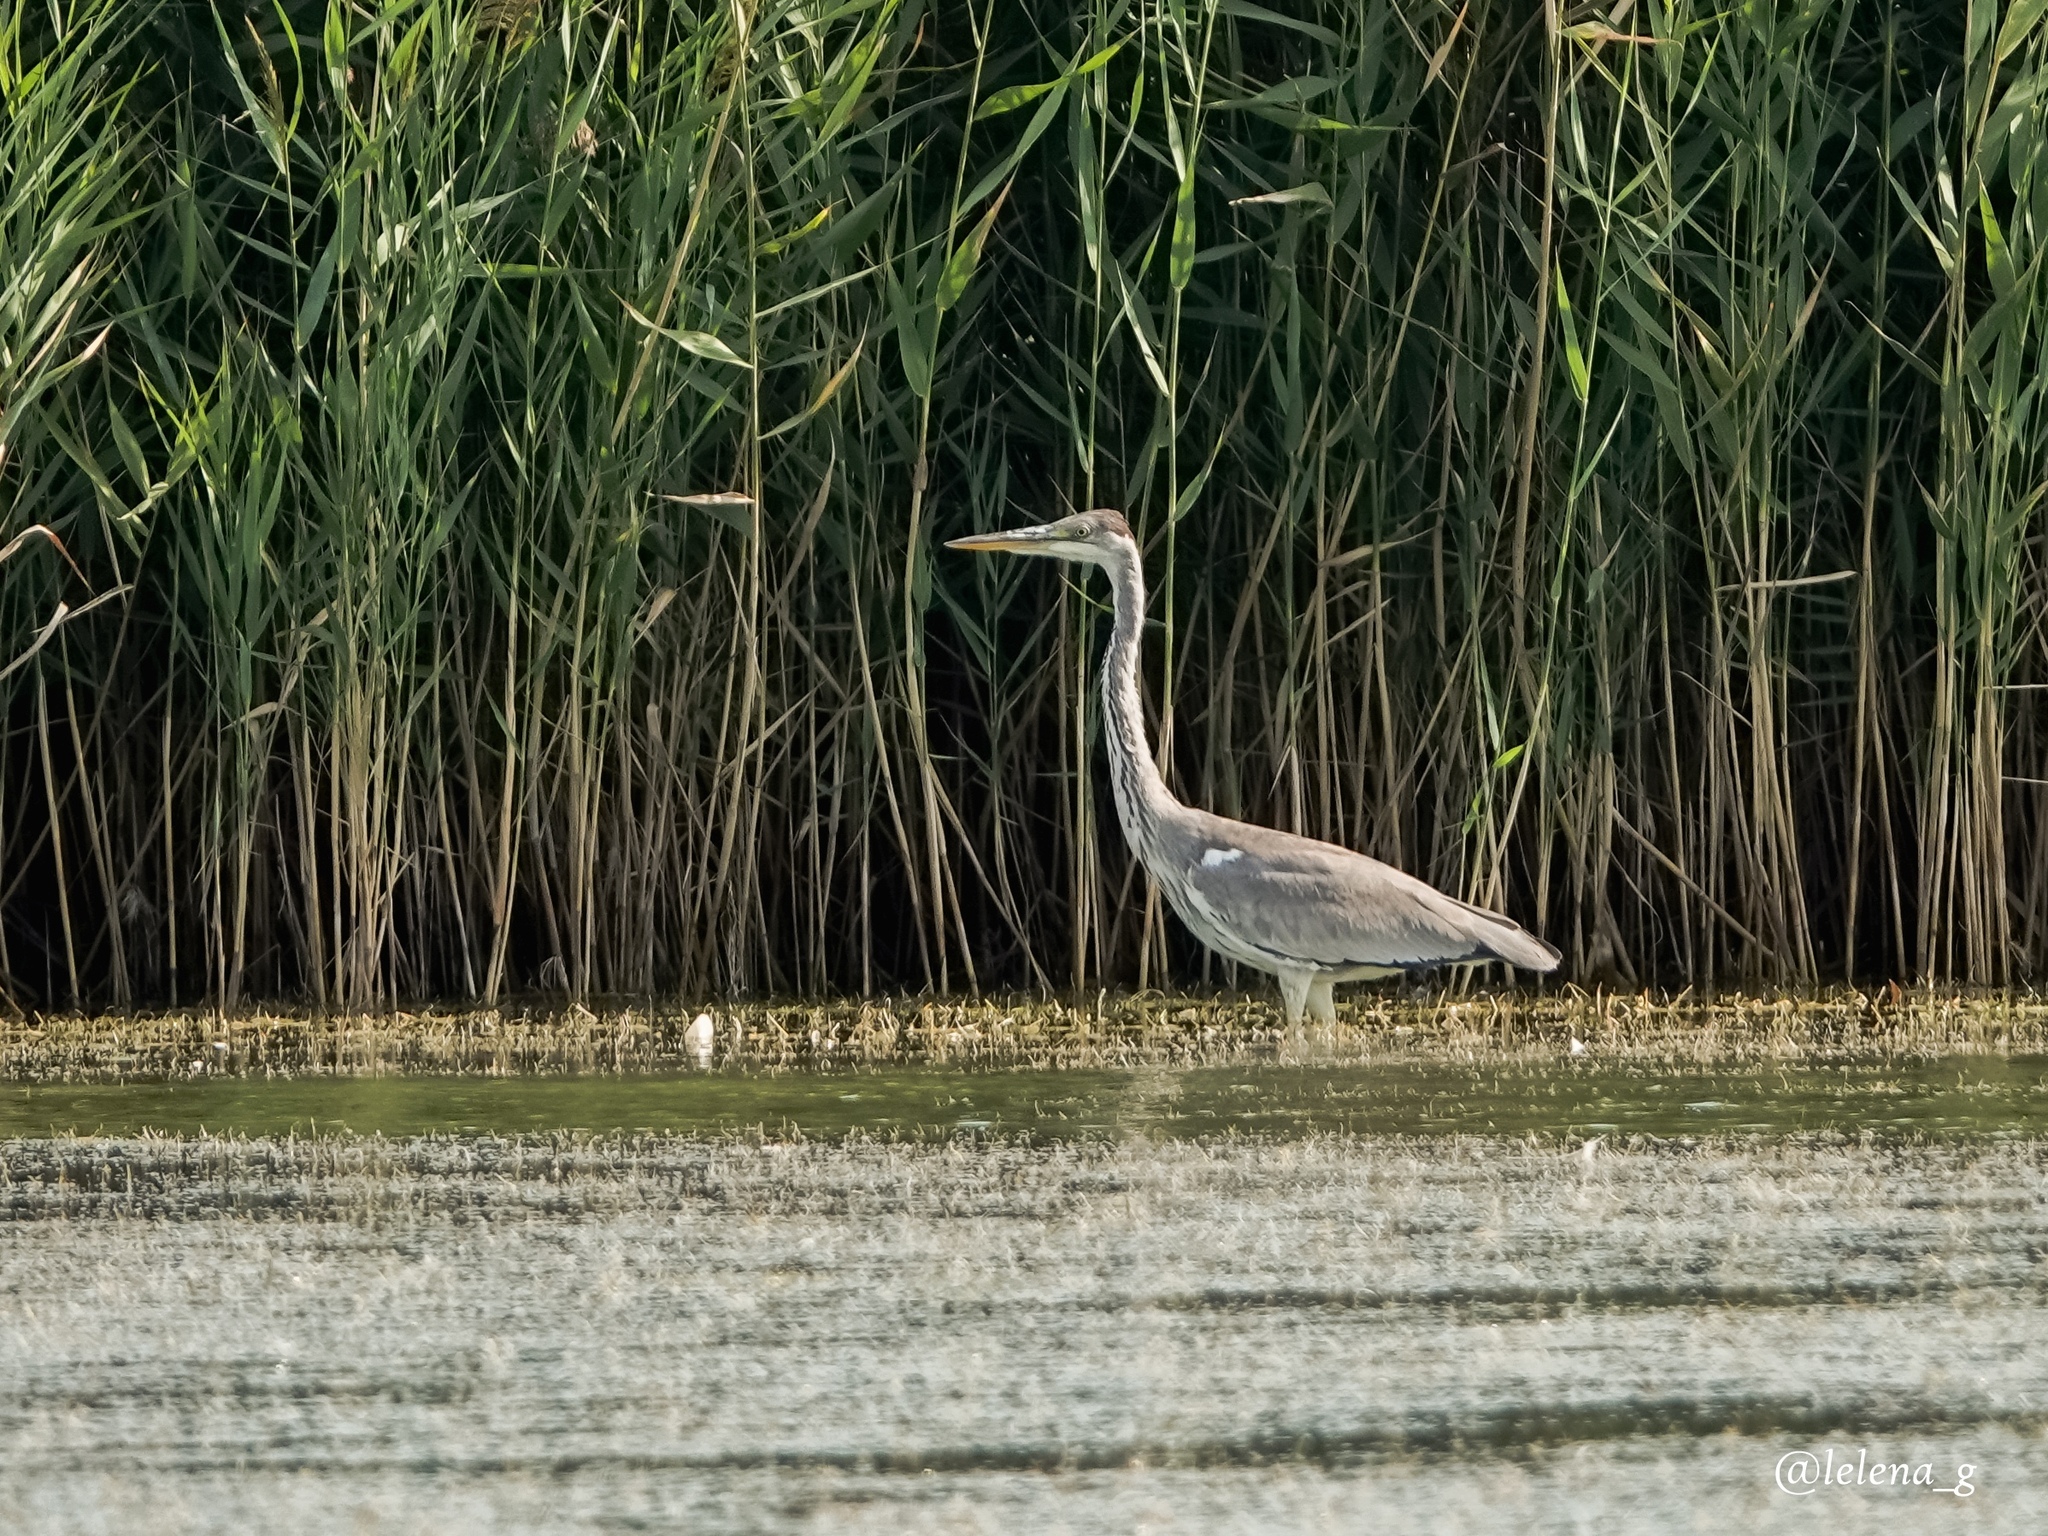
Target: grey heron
1311, 913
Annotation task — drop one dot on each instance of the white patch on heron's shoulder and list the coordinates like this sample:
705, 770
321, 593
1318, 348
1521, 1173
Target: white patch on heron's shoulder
1216, 857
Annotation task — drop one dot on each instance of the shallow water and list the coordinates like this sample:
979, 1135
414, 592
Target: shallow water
1966, 1096
1325, 1334
1286, 1297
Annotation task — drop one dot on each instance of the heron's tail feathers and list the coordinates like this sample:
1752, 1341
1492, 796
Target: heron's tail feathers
1520, 947
1507, 940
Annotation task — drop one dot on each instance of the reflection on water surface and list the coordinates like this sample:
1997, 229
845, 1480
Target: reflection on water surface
1978, 1096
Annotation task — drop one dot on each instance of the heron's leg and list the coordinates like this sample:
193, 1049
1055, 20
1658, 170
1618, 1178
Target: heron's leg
1322, 1005
1294, 990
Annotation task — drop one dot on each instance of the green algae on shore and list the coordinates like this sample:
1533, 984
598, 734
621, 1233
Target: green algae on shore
1570, 1100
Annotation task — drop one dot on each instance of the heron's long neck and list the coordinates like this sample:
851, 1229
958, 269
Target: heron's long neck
1142, 798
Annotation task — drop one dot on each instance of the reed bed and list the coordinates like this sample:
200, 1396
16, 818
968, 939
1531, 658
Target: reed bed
1025, 1032
490, 459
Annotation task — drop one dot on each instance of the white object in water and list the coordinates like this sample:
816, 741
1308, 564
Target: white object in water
699, 1036
1578, 1046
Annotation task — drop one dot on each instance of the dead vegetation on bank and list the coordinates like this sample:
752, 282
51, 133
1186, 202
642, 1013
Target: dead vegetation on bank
1137, 1029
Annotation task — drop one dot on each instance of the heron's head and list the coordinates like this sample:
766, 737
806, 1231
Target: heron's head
1097, 538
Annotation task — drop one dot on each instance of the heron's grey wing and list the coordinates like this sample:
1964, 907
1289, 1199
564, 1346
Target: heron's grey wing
1317, 904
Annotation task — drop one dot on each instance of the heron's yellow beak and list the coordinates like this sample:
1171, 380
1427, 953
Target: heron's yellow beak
1021, 540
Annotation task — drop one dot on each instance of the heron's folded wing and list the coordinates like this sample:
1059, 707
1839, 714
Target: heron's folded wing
1317, 904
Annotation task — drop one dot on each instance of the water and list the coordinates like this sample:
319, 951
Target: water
1247, 1300
1968, 1096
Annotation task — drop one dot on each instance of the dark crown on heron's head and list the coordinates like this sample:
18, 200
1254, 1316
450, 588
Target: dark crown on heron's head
1098, 526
